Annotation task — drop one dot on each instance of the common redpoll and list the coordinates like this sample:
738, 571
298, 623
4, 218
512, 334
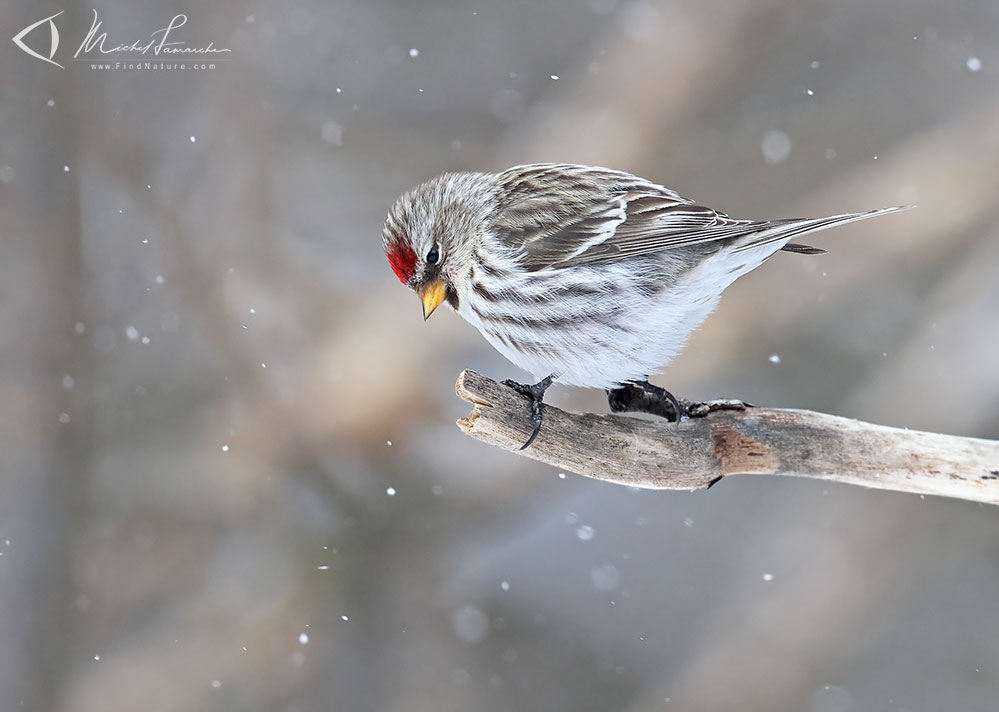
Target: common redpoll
588, 276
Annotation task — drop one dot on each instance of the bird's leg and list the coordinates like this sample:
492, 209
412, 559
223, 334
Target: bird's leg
644, 397
535, 393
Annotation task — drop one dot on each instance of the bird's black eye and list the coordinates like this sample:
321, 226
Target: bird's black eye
433, 256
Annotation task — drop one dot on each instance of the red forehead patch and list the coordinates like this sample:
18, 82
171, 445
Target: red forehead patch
402, 259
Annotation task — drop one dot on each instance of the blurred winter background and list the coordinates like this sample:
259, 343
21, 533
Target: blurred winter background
229, 473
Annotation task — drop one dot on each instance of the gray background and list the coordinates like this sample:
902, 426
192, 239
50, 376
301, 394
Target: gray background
143, 567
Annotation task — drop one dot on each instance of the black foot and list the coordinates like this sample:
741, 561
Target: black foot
643, 397
535, 393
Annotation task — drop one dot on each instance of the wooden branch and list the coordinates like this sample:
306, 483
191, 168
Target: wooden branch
658, 454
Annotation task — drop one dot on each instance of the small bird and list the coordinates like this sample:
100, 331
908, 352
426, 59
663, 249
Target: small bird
583, 275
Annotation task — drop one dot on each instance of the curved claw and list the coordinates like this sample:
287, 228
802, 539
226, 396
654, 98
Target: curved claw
643, 397
676, 405
536, 418
678, 411
536, 394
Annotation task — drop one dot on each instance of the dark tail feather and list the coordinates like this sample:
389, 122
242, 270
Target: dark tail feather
803, 249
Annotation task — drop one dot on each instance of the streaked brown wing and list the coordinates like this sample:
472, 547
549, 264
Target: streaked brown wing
652, 224
568, 229
556, 214
679, 226
561, 215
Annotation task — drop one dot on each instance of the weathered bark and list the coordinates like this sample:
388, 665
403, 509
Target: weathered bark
757, 441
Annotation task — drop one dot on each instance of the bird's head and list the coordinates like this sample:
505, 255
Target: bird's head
430, 235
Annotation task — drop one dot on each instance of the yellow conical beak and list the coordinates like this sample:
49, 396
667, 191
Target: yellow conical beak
432, 293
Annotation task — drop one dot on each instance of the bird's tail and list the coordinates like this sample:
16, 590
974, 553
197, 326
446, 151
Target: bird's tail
778, 230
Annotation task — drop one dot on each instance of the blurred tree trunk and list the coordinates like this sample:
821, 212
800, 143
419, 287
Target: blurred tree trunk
45, 380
